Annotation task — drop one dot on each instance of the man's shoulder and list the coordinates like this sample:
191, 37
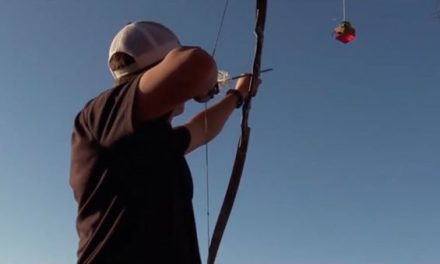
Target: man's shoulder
104, 97
108, 116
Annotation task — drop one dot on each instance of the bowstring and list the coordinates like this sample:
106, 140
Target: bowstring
222, 20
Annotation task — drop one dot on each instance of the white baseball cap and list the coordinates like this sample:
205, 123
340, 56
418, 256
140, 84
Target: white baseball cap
147, 42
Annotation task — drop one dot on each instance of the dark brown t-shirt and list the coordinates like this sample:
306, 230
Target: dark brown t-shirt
132, 185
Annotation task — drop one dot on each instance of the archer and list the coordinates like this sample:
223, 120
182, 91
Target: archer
128, 169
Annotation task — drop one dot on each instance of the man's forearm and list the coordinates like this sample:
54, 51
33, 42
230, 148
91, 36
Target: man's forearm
216, 116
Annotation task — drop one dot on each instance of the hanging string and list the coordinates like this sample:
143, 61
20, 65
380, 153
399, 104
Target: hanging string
225, 8
438, 8
343, 10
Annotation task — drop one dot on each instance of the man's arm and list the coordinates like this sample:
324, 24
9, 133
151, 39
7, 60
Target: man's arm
185, 73
216, 116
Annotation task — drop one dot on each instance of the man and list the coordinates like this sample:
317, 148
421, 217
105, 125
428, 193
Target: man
128, 171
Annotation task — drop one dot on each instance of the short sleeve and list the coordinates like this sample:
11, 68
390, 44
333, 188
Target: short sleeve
110, 115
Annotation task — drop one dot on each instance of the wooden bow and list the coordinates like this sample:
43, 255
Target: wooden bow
240, 157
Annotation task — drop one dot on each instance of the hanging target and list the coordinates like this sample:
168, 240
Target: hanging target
345, 32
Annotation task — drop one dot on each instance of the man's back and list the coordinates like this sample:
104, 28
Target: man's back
132, 185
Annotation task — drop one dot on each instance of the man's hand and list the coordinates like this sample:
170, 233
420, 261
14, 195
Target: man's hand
211, 93
243, 84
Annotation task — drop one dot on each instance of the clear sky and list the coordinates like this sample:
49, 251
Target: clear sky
343, 165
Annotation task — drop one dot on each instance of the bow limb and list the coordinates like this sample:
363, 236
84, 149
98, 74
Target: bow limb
240, 157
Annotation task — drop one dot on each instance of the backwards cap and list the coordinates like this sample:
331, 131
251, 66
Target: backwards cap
147, 42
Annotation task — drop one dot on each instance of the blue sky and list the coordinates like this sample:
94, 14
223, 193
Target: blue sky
344, 158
